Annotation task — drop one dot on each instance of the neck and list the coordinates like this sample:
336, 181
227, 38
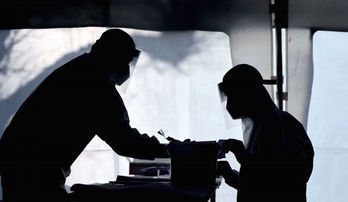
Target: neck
97, 64
262, 108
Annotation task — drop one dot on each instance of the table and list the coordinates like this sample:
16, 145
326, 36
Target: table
192, 174
155, 192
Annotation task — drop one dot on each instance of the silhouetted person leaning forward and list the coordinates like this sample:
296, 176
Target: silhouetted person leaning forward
56, 122
276, 155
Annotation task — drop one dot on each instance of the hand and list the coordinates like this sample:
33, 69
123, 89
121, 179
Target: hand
223, 168
233, 145
170, 139
187, 140
230, 145
231, 176
236, 147
222, 152
162, 151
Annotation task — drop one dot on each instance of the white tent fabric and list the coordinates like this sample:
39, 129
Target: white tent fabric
300, 72
327, 114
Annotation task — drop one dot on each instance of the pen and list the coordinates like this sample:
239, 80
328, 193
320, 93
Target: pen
162, 134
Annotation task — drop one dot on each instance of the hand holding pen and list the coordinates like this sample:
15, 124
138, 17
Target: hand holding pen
170, 139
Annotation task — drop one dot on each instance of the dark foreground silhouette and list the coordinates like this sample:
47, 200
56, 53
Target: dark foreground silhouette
56, 122
276, 155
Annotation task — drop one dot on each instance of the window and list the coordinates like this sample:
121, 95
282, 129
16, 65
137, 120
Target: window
328, 111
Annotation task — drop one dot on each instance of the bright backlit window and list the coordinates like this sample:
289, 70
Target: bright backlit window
328, 110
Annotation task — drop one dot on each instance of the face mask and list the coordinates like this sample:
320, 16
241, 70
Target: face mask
118, 78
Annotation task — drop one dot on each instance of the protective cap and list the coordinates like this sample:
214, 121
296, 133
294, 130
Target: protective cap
242, 74
116, 41
239, 81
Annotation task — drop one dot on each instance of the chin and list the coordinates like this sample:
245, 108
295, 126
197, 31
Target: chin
235, 115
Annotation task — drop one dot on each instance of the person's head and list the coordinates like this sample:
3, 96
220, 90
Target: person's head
246, 95
114, 50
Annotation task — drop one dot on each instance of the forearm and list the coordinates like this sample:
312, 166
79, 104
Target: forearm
129, 142
143, 147
232, 179
230, 175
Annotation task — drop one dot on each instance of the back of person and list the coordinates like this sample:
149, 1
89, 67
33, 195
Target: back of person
50, 130
56, 122
279, 163
278, 158
49, 119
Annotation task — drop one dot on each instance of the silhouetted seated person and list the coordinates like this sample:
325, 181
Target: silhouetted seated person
56, 122
276, 156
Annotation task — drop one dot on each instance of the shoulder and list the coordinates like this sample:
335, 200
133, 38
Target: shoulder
71, 70
269, 131
292, 124
270, 122
109, 99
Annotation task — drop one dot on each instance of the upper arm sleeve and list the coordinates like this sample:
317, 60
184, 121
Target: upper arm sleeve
114, 129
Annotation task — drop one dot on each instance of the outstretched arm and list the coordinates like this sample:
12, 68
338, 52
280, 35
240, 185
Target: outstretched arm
127, 141
113, 127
